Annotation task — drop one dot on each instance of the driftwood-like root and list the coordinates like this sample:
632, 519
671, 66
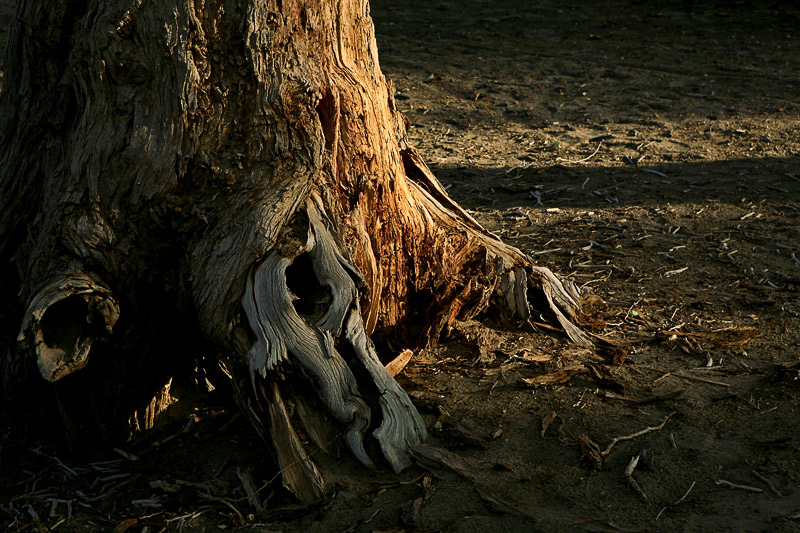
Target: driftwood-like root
317, 342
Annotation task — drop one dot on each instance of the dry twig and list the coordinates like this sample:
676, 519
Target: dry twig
585, 158
768, 483
685, 494
644, 431
728, 484
665, 374
632, 482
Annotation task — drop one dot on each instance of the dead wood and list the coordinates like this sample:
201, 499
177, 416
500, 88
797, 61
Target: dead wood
228, 194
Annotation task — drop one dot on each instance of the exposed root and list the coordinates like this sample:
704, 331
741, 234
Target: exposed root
315, 342
300, 475
519, 279
64, 318
564, 300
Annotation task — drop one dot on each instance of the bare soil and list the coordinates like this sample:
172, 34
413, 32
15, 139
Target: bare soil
650, 152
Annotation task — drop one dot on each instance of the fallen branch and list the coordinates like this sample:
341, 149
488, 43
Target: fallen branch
246, 477
441, 457
56, 460
554, 378
502, 504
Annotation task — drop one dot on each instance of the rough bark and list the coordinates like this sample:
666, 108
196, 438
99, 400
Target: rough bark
234, 171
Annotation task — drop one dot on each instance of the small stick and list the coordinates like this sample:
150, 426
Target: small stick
674, 272
768, 483
656, 172
595, 267
190, 516
666, 375
728, 484
54, 503
646, 430
126, 455
795, 259
113, 477
106, 479
147, 503
686, 376
702, 380
540, 252
105, 493
368, 520
224, 502
585, 158
632, 482
686, 493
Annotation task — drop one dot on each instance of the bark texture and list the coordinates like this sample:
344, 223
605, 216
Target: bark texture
233, 171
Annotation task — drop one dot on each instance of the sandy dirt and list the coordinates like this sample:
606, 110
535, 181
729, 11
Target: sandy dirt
650, 152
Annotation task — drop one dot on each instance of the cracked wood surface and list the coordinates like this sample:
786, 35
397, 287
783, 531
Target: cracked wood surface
190, 153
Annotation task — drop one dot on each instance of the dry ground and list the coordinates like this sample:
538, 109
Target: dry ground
650, 151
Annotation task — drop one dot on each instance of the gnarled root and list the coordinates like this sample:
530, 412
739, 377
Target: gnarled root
320, 333
506, 274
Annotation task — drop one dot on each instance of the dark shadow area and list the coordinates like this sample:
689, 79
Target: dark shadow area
738, 181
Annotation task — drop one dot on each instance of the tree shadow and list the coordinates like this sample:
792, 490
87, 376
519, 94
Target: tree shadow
560, 185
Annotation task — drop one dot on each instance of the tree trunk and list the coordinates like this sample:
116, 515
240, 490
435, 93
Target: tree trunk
228, 185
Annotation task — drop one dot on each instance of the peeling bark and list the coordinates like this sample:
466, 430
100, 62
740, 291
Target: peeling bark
236, 170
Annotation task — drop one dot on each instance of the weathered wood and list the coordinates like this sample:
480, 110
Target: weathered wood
299, 473
235, 170
63, 320
311, 341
